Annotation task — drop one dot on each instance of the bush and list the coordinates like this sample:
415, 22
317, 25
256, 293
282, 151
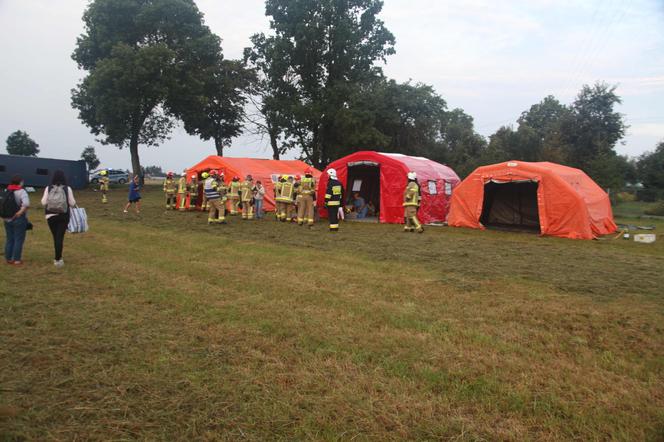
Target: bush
649, 195
657, 210
625, 197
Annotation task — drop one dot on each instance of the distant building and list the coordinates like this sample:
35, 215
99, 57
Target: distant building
37, 172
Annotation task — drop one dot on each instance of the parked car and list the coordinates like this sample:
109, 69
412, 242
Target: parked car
114, 176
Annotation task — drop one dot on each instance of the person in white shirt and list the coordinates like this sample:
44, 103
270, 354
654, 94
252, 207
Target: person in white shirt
57, 211
259, 196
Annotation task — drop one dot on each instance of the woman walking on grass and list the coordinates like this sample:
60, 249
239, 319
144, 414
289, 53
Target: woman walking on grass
134, 195
16, 224
57, 199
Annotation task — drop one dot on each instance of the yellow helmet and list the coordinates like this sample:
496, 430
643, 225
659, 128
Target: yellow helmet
284, 176
205, 175
103, 173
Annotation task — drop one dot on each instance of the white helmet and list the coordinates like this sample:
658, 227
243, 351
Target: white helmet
332, 173
412, 176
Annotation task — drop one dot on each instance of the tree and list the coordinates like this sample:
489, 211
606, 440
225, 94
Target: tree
593, 130
212, 106
650, 170
154, 171
20, 143
90, 157
273, 93
320, 55
135, 52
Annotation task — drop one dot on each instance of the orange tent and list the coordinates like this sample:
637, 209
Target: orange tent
260, 169
546, 197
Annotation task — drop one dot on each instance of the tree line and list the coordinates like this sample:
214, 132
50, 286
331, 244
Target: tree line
313, 85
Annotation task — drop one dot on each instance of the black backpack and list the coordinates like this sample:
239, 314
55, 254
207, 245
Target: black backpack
8, 206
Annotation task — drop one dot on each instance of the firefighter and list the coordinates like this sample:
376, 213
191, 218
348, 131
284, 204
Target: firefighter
297, 196
333, 198
280, 208
286, 198
234, 195
247, 195
223, 192
204, 204
169, 191
305, 207
182, 192
103, 185
193, 192
211, 188
411, 203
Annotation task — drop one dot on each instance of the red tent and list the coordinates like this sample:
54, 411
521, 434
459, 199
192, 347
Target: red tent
546, 197
260, 169
381, 178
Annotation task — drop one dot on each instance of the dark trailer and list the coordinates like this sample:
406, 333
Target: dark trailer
37, 172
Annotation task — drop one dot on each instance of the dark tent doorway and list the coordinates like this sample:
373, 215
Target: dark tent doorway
511, 205
364, 177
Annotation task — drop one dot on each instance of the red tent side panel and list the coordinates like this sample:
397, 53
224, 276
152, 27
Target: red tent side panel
570, 204
259, 169
393, 179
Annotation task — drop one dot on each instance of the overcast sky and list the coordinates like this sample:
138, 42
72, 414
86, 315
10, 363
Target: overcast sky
492, 58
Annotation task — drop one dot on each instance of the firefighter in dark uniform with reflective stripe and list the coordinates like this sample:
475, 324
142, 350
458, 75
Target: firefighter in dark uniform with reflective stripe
333, 198
411, 203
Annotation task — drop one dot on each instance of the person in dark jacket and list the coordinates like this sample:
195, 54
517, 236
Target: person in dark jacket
333, 199
57, 219
134, 195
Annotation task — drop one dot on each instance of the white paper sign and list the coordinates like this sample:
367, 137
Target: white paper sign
357, 185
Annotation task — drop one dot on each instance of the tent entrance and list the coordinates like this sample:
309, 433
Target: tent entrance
364, 178
511, 205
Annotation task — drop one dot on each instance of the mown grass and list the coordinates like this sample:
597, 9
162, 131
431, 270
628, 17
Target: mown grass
160, 327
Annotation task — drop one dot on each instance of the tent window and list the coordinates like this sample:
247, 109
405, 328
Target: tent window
511, 205
432, 188
42, 171
448, 189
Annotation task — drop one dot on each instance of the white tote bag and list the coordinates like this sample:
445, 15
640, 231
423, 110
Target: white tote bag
78, 220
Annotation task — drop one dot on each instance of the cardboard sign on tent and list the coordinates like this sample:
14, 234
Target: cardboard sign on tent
382, 177
263, 170
550, 198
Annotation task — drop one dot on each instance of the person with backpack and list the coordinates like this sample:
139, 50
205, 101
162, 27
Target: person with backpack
13, 208
57, 199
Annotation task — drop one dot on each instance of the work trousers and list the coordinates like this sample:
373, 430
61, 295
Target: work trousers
333, 217
281, 211
235, 205
247, 210
305, 210
58, 226
412, 223
170, 200
217, 211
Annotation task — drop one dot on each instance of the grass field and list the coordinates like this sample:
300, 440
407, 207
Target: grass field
162, 328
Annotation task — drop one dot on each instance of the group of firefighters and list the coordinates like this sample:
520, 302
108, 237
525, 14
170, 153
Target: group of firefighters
295, 197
